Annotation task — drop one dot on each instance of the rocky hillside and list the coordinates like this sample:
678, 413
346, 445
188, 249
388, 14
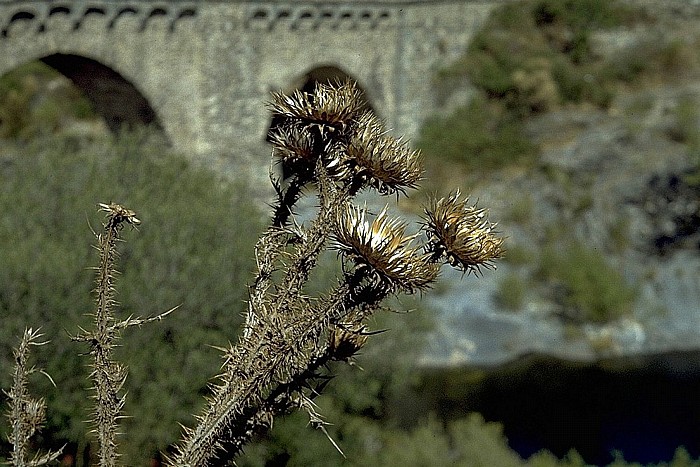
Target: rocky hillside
604, 227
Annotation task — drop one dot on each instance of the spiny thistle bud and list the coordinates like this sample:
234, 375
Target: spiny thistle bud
382, 249
294, 148
118, 214
462, 234
334, 105
374, 159
343, 344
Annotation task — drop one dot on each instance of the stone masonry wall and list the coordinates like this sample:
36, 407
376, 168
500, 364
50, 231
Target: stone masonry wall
208, 67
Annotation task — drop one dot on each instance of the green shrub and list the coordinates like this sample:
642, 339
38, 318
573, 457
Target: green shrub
478, 136
529, 57
518, 255
511, 292
581, 15
194, 248
547, 37
591, 289
687, 131
29, 108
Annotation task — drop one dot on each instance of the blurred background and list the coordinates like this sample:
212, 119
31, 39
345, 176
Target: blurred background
575, 122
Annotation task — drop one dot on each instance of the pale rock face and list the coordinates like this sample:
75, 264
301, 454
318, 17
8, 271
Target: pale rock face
639, 211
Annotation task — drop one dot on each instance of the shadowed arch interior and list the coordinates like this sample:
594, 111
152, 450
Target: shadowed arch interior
112, 95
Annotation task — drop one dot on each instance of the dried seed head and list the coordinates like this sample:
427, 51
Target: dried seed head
332, 104
343, 344
382, 249
118, 214
462, 234
376, 160
294, 148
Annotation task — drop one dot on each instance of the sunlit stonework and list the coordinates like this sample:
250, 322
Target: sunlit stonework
462, 233
381, 247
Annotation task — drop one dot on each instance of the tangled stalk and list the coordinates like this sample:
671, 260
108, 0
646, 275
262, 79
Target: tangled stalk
327, 140
108, 376
26, 414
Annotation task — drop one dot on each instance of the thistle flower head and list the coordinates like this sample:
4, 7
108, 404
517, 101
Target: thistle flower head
381, 248
118, 214
294, 148
374, 159
332, 104
462, 233
345, 343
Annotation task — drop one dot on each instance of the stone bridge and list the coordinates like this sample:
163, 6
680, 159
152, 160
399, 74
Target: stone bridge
202, 70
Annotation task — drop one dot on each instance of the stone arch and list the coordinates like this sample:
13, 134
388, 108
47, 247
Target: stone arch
21, 21
113, 96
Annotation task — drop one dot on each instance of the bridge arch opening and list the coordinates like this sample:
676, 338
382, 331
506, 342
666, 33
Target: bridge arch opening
112, 96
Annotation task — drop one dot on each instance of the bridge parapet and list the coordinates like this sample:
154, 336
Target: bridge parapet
37, 17
314, 15
204, 68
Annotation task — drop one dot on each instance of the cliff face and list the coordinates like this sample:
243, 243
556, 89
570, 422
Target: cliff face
604, 230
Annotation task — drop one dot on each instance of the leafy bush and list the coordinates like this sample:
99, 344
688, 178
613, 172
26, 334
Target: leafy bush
549, 38
477, 136
511, 292
194, 249
590, 289
530, 57
30, 108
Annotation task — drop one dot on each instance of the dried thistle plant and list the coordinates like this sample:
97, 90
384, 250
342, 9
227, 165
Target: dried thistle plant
328, 141
26, 414
108, 376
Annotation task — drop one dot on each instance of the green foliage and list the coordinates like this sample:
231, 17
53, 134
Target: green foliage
591, 289
37, 100
652, 60
532, 55
477, 136
687, 114
517, 255
194, 248
521, 209
581, 15
469, 441
511, 292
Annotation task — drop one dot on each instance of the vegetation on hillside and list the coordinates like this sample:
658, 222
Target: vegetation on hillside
536, 56
194, 249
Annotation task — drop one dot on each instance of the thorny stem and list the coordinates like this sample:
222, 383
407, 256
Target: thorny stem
108, 376
257, 419
284, 207
242, 385
272, 347
26, 414
22, 428
307, 251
